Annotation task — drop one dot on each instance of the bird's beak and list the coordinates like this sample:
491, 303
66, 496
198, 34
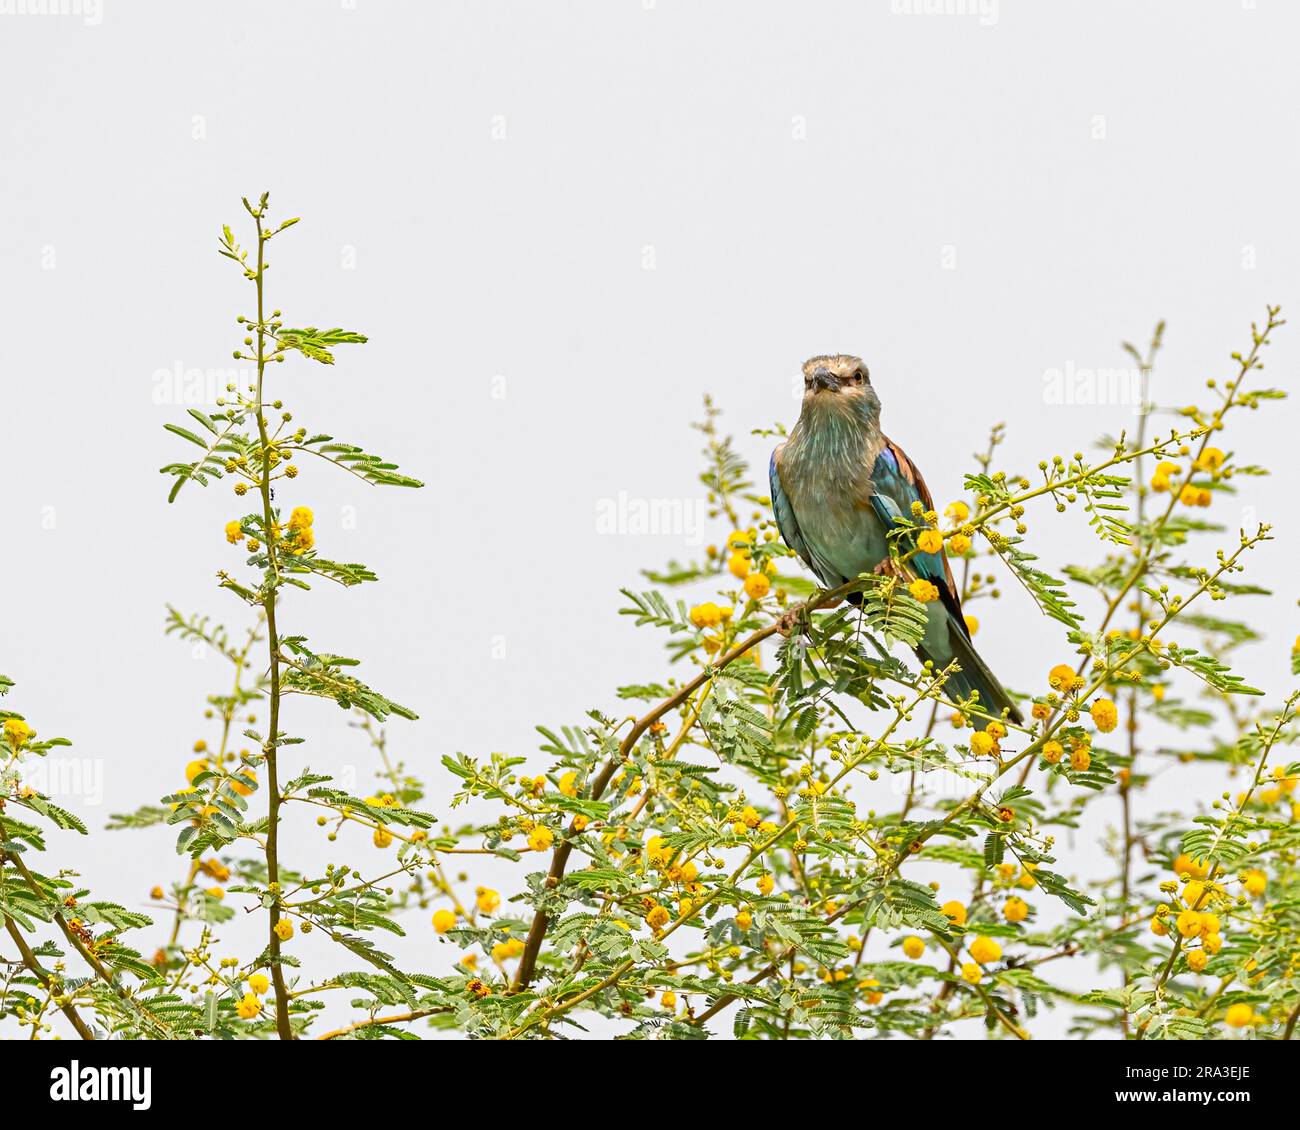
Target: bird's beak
825, 379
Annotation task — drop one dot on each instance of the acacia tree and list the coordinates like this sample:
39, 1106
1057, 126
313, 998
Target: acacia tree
797, 835
746, 842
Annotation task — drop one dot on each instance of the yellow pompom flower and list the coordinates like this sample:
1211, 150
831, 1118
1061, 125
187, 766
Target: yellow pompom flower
958, 544
1062, 677
738, 565
744, 920
1254, 881
17, 732
1158, 927
1080, 758
1015, 909
284, 929
958, 511
248, 1007
1160, 481
215, 868
913, 947
923, 591
657, 852
1211, 459
706, 615
1197, 960
971, 973
1239, 1015
669, 999
303, 540
658, 917
982, 744
443, 920
540, 838
1186, 865
929, 541
234, 534
757, 585
1212, 943
1189, 923
301, 518
955, 912
972, 624
1053, 752
1104, 715
258, 983
194, 768
382, 837
765, 884
487, 900
568, 784
985, 950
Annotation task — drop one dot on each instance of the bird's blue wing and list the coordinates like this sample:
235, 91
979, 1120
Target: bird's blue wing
789, 526
897, 484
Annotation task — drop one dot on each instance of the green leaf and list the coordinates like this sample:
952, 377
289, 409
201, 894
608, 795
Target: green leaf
184, 433
1048, 591
370, 468
316, 344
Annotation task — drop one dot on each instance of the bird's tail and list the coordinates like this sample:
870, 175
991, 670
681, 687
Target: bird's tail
973, 676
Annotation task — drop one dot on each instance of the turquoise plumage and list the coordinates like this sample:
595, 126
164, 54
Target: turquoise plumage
839, 485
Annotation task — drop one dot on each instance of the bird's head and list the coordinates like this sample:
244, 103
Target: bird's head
841, 384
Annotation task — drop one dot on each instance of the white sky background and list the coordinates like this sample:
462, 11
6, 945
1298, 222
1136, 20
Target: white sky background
969, 203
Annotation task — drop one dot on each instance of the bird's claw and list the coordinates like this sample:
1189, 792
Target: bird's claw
788, 621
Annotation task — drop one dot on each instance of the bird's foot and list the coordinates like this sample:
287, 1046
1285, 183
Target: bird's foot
788, 621
887, 568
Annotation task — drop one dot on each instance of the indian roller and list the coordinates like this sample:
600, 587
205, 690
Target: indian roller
839, 486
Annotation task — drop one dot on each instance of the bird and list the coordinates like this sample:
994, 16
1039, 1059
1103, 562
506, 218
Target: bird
839, 487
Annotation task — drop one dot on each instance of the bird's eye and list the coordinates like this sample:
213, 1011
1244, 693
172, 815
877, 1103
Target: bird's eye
859, 377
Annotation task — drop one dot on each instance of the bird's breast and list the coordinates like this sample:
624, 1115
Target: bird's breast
830, 493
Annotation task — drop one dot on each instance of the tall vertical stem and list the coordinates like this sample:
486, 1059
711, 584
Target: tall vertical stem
1145, 366
273, 647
